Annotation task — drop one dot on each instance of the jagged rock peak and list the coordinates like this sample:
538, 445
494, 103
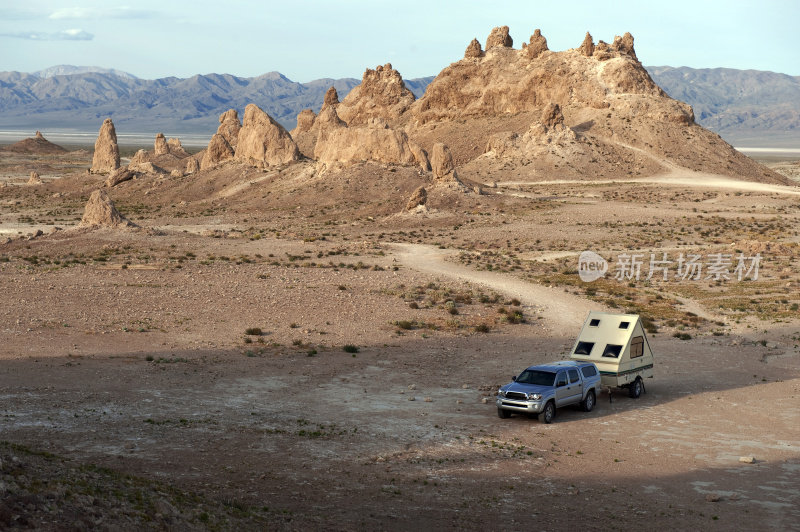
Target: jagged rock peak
473, 49
229, 127
305, 120
160, 146
499, 37
331, 98
35, 179
624, 45
381, 94
39, 135
587, 46
536, 46
106, 150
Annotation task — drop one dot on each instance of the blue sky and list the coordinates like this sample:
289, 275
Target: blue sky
310, 39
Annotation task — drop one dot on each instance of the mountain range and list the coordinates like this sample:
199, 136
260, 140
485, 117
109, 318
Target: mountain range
746, 107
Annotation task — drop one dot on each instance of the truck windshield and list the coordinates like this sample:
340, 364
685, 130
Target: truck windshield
534, 376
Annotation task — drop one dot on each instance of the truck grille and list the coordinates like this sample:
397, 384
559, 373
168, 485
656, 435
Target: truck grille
518, 396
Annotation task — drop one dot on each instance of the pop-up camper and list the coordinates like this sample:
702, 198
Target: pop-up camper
617, 344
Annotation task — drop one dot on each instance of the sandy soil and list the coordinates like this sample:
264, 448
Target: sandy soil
125, 355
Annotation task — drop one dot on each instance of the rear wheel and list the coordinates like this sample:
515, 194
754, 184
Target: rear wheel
503, 414
548, 413
635, 389
589, 401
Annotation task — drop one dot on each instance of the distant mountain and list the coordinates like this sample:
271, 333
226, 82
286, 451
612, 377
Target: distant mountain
746, 107
66, 70
82, 100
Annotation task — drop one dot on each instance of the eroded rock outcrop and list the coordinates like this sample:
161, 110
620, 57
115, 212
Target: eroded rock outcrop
218, 150
442, 161
119, 175
536, 46
264, 142
587, 46
34, 178
499, 37
473, 49
624, 45
229, 127
381, 94
174, 147
372, 142
192, 165
160, 147
101, 212
331, 97
418, 197
106, 150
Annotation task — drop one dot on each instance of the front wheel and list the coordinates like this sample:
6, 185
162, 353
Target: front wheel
588, 402
635, 389
503, 414
548, 413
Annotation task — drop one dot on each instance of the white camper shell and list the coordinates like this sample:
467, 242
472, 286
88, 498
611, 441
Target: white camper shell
618, 345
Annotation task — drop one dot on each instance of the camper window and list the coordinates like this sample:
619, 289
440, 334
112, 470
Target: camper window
594, 322
584, 348
637, 346
624, 324
612, 351
573, 376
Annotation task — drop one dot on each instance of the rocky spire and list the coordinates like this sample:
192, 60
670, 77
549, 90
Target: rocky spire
106, 151
473, 49
536, 46
587, 46
499, 37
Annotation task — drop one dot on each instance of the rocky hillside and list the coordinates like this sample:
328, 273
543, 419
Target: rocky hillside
760, 108
81, 100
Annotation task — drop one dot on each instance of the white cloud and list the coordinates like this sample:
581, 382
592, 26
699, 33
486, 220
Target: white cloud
66, 35
124, 12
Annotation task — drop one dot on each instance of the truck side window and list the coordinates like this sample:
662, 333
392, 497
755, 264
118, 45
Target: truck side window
612, 351
584, 348
573, 376
589, 371
637, 346
561, 380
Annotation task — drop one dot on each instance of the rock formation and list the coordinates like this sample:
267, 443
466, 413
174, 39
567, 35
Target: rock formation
146, 168
473, 49
536, 46
374, 142
331, 97
305, 119
624, 45
229, 127
35, 179
381, 94
36, 144
192, 165
264, 142
499, 37
218, 150
552, 116
175, 148
106, 151
100, 211
587, 46
118, 176
161, 147
418, 197
442, 161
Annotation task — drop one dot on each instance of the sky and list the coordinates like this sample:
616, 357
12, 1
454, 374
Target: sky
311, 39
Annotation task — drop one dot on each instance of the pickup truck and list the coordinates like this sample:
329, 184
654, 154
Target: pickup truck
539, 390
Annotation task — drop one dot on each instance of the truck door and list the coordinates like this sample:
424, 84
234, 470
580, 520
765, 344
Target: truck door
575, 386
563, 392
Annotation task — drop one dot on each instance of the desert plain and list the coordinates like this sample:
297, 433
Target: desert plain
297, 345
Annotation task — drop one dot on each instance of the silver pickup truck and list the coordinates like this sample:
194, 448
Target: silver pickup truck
539, 390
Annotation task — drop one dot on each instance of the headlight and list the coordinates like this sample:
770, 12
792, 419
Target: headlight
501, 393
534, 396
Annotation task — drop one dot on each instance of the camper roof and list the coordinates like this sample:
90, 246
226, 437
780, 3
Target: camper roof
611, 328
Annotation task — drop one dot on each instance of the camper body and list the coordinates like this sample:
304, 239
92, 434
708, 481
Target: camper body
618, 345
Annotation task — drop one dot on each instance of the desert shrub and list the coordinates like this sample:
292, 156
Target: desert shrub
482, 328
682, 336
413, 305
404, 324
350, 348
253, 331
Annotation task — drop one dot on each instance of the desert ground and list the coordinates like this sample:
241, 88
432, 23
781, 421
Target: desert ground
291, 349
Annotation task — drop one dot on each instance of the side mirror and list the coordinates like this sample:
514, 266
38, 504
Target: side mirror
514, 378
